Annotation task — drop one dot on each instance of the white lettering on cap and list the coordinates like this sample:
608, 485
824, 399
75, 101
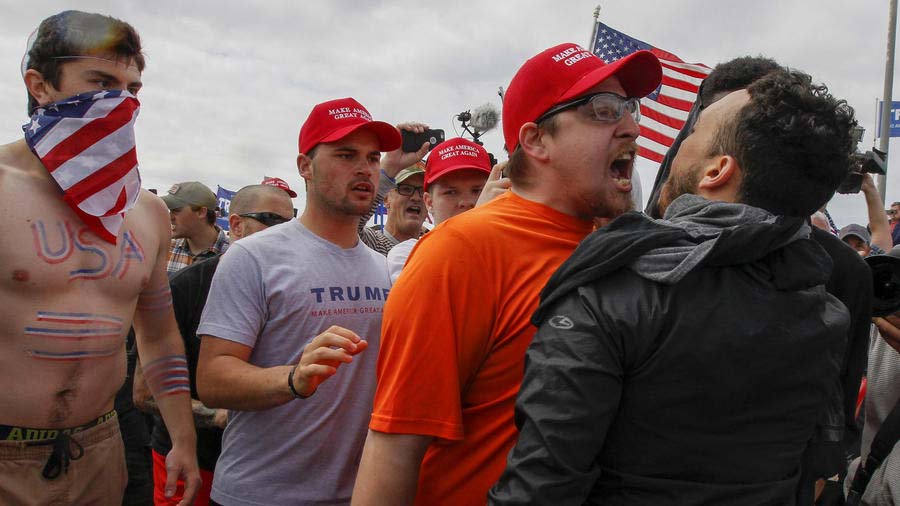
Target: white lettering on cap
578, 57
562, 54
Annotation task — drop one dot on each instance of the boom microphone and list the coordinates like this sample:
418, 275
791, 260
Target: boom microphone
485, 117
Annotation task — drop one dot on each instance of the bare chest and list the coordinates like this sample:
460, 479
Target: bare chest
47, 250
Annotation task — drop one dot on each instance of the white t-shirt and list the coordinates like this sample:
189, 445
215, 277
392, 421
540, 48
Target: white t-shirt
396, 257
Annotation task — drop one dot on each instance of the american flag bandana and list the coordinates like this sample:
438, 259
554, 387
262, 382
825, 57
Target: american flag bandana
86, 143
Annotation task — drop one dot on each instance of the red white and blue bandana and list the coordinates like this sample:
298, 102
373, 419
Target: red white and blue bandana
86, 143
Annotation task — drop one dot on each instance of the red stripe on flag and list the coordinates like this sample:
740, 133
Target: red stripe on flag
665, 55
681, 85
89, 134
661, 118
689, 72
650, 155
674, 103
95, 225
656, 137
104, 177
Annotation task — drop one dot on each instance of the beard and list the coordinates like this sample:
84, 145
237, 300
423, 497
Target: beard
611, 205
339, 200
678, 185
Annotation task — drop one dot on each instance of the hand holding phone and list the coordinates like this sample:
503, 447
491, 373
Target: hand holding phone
412, 141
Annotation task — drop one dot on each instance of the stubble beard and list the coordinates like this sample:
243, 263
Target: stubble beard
675, 187
611, 205
343, 205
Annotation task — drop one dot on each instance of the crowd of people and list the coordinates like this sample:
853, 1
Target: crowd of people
542, 343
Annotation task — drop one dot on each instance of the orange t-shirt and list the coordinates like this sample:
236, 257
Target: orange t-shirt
454, 335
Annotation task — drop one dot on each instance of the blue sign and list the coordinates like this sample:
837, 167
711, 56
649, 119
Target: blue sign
894, 121
224, 197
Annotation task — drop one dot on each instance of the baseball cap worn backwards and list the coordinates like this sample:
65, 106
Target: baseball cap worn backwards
455, 154
564, 72
333, 120
190, 193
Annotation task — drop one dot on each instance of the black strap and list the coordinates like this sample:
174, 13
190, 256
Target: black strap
884, 441
64, 449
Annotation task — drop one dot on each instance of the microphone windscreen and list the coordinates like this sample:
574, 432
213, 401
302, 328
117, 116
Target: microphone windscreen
485, 117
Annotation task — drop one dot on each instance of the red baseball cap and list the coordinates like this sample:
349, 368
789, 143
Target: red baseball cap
280, 183
333, 120
455, 154
564, 72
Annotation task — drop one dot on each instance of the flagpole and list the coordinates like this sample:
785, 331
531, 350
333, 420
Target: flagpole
594, 31
886, 97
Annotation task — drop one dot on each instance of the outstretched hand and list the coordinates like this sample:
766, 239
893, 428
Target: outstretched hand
495, 185
322, 357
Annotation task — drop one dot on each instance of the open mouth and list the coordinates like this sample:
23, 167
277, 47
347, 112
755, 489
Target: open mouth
363, 187
415, 210
621, 169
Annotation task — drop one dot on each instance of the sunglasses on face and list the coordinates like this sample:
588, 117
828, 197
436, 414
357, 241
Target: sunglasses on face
267, 219
603, 107
407, 190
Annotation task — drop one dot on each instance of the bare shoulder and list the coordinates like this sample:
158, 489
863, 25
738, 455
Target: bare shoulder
153, 208
150, 218
18, 163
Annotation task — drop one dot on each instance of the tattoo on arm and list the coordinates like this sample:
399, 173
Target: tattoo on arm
168, 376
156, 300
204, 418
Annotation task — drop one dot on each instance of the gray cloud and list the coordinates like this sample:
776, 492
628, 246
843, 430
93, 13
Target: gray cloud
228, 84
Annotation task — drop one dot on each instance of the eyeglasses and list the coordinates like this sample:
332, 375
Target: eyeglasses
267, 219
604, 107
407, 190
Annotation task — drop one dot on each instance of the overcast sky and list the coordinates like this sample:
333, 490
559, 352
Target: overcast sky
228, 84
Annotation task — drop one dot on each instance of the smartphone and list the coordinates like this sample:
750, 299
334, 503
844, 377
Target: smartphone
413, 141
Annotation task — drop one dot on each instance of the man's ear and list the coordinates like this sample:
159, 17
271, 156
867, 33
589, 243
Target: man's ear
38, 87
426, 197
236, 226
304, 166
723, 173
531, 140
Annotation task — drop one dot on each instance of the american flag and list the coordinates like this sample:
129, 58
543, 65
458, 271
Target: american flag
664, 111
86, 143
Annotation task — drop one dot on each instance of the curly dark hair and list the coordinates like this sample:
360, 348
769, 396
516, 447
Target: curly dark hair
734, 75
76, 33
792, 141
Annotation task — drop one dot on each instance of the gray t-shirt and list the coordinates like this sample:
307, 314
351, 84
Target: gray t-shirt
275, 291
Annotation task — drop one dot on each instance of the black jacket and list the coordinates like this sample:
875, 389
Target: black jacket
705, 391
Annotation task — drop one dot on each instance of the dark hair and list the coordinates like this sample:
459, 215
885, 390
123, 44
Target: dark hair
735, 75
76, 33
210, 214
791, 131
516, 167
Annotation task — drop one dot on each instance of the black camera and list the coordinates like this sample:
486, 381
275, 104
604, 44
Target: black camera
871, 161
885, 284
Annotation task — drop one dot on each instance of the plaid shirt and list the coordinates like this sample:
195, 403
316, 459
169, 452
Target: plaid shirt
180, 254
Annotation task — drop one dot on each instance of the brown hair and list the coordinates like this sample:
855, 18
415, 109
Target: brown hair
76, 33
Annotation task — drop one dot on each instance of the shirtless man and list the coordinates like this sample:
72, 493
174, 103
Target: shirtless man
84, 258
